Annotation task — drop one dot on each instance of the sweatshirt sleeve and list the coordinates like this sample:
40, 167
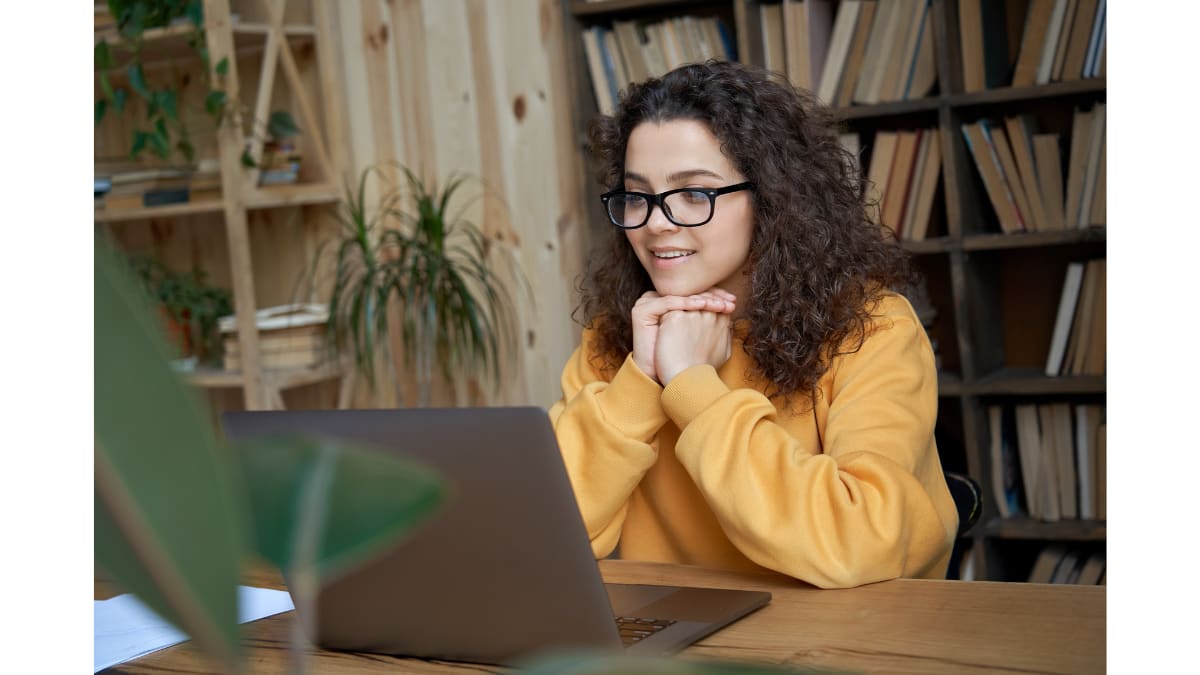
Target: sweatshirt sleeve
605, 430
856, 511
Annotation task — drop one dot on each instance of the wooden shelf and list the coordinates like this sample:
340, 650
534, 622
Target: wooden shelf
986, 242
949, 384
936, 245
1030, 381
268, 197
1095, 85
170, 43
167, 211
581, 8
890, 109
1029, 528
285, 378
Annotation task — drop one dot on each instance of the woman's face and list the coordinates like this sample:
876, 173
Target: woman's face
688, 260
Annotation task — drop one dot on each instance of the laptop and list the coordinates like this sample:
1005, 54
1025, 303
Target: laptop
504, 570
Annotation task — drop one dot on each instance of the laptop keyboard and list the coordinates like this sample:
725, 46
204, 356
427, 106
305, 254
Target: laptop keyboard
634, 630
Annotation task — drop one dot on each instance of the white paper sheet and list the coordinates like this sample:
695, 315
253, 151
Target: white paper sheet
126, 629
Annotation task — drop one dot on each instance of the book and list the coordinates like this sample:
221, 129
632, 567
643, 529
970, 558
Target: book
1005, 465
1046, 563
899, 179
1097, 345
883, 155
1081, 132
1081, 36
1037, 25
1064, 447
1054, 31
591, 47
620, 74
879, 46
1067, 569
858, 49
840, 42
1049, 497
1049, 170
988, 167
1096, 45
1101, 462
1082, 325
1012, 181
923, 75
1064, 40
630, 45
652, 50
1029, 452
914, 186
807, 26
1062, 323
903, 53
774, 45
970, 33
1095, 153
1092, 570
1020, 135
1087, 424
851, 144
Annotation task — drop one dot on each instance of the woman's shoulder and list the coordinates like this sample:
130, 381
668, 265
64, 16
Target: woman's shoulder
888, 307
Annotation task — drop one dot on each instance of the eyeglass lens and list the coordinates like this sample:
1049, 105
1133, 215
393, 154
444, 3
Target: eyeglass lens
684, 208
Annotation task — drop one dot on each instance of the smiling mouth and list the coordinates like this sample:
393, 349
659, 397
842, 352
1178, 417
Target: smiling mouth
667, 255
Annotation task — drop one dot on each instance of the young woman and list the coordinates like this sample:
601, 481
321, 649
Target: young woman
749, 392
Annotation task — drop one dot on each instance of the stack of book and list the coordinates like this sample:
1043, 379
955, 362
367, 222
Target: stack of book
1048, 460
870, 52
1079, 342
1023, 176
903, 179
289, 336
1057, 564
1030, 42
632, 52
280, 163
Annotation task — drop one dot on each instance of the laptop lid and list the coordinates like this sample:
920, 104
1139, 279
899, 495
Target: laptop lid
504, 569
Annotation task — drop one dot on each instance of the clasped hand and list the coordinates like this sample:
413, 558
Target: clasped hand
671, 333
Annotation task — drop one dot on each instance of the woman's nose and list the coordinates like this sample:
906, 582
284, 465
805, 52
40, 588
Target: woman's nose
658, 221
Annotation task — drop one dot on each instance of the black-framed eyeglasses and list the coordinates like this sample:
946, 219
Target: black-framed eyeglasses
686, 207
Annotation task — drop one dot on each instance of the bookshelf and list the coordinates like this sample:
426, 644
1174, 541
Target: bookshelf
279, 53
996, 294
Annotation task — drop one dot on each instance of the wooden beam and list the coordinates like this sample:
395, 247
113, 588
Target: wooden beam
266, 81
229, 142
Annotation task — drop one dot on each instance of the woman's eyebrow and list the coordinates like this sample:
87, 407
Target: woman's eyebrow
675, 178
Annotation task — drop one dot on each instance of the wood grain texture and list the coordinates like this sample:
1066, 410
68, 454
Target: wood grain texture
900, 626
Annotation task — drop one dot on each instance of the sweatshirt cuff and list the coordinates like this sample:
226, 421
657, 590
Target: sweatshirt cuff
691, 392
631, 402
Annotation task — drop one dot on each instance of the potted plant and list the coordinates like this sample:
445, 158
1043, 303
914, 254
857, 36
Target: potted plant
455, 312
190, 306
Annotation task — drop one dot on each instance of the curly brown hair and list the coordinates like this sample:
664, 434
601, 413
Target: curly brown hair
819, 265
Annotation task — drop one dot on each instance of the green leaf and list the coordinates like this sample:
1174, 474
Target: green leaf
214, 103
102, 55
168, 509
166, 100
137, 80
223, 66
248, 160
281, 125
160, 142
140, 139
367, 498
119, 97
101, 106
106, 86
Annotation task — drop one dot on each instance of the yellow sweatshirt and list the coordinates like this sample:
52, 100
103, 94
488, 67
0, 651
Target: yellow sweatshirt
708, 471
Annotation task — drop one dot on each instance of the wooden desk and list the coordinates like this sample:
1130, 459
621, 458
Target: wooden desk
902, 626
